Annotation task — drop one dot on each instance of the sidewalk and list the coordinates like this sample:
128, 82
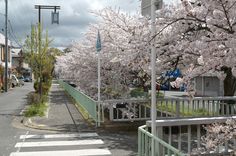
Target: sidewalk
61, 116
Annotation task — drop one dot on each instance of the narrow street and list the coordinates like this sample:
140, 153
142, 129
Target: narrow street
69, 141
11, 105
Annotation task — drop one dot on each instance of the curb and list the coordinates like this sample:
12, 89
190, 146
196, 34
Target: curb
27, 122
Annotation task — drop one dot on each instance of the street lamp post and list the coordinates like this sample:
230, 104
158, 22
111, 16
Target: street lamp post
146, 6
55, 14
153, 81
55, 19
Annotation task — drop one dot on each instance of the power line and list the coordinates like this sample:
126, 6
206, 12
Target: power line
13, 35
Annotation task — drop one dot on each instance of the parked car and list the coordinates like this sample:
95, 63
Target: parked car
14, 81
21, 80
28, 79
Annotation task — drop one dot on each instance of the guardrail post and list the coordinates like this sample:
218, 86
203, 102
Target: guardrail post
169, 139
198, 136
159, 149
111, 112
98, 121
179, 138
139, 143
178, 108
189, 139
227, 108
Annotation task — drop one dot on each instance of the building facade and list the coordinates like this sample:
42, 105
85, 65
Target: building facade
2, 58
208, 85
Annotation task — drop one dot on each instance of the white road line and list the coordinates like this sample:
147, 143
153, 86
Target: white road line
55, 84
84, 152
59, 143
52, 136
20, 145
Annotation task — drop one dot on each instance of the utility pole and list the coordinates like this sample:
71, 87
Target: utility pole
55, 19
6, 46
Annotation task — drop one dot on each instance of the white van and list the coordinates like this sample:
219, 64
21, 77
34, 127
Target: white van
14, 81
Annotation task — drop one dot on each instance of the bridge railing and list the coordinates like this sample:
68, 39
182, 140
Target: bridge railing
83, 100
145, 139
140, 109
128, 109
197, 107
183, 134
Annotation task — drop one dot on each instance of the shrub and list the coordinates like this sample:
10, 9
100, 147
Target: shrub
37, 106
34, 98
138, 92
45, 87
36, 110
111, 93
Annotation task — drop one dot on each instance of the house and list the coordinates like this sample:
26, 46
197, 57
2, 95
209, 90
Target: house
2, 51
18, 64
2, 58
208, 85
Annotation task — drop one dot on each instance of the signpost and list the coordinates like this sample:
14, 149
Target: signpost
148, 9
99, 48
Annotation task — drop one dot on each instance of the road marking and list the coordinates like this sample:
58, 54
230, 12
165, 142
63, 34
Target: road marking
55, 84
84, 152
20, 145
52, 136
59, 143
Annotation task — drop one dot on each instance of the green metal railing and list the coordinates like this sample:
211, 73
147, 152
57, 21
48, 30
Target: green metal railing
83, 100
145, 139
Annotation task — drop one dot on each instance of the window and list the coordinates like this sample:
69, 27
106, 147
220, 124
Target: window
2, 52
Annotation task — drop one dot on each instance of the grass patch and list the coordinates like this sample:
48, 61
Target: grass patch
36, 110
184, 111
37, 105
139, 92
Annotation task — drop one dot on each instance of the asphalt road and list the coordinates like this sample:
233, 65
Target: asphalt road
11, 104
15, 141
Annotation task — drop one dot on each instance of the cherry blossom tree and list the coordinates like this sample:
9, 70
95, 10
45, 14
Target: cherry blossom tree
199, 38
195, 36
217, 134
124, 54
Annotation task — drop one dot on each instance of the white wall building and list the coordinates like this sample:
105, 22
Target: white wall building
208, 85
2, 52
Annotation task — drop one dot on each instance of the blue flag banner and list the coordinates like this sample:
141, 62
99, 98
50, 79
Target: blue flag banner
98, 45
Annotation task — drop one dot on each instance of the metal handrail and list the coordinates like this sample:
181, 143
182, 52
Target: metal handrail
157, 140
190, 121
83, 100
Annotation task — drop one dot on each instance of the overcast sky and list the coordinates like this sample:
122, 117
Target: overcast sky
74, 17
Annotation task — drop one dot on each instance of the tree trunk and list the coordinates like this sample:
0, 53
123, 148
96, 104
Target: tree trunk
145, 88
229, 83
